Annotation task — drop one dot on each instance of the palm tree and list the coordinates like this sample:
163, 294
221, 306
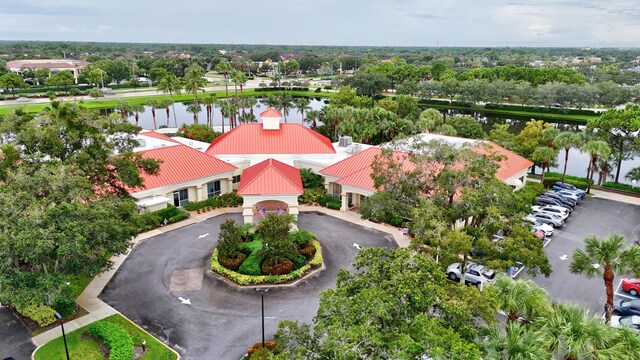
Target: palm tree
208, 101
224, 106
604, 166
171, 84
194, 82
165, 103
123, 108
605, 257
571, 332
633, 174
312, 117
194, 109
549, 136
285, 101
302, 103
545, 156
225, 68
154, 103
521, 298
240, 79
516, 342
595, 149
136, 109
567, 140
271, 101
250, 102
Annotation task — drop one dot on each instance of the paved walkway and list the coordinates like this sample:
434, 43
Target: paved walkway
98, 309
616, 197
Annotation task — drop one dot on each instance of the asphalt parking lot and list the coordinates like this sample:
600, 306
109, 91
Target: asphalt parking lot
592, 216
219, 321
15, 339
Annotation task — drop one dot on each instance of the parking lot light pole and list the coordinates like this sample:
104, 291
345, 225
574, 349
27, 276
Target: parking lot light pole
64, 337
262, 292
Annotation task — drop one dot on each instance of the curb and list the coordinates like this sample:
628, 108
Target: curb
295, 283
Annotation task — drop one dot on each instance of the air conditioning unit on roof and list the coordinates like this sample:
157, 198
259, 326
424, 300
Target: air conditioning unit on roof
345, 141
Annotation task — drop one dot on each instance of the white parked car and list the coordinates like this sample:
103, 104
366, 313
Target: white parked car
551, 209
538, 225
474, 274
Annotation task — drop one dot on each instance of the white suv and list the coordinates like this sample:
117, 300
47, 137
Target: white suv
475, 274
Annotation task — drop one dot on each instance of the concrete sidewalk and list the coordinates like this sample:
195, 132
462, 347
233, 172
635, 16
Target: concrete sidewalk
616, 197
98, 309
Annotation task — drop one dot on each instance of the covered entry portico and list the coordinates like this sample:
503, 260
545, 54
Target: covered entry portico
269, 187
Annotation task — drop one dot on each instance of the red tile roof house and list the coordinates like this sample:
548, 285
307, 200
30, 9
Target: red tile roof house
261, 161
351, 178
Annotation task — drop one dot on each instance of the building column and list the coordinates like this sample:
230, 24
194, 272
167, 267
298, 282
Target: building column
247, 214
345, 202
199, 196
228, 185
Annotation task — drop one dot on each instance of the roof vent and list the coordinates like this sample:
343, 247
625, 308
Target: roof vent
355, 148
345, 141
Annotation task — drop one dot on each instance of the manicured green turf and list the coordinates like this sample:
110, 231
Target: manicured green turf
106, 103
581, 119
78, 283
90, 350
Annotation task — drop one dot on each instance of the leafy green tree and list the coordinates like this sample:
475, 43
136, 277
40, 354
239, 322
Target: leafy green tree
466, 127
622, 129
61, 78
11, 80
531, 137
195, 110
368, 84
42, 74
429, 120
96, 77
596, 149
377, 311
501, 135
157, 73
312, 117
545, 157
605, 257
566, 140
229, 239
523, 92
633, 174
274, 232
171, 84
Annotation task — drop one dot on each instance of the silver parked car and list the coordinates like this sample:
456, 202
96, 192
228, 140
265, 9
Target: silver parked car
474, 274
550, 219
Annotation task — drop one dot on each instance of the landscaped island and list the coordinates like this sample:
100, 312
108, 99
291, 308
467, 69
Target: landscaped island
268, 253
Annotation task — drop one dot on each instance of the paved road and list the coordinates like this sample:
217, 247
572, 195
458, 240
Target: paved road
222, 321
593, 216
15, 339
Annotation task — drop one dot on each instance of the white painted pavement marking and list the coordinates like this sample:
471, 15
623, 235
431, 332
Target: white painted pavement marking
184, 301
357, 246
203, 235
563, 257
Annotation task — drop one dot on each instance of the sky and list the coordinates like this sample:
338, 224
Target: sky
532, 23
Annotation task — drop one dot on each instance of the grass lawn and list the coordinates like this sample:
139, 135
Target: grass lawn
90, 350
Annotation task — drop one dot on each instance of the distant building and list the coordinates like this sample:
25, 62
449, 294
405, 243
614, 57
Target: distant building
75, 66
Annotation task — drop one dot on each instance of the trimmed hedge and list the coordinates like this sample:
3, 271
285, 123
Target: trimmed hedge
623, 187
225, 200
330, 202
570, 177
115, 337
41, 314
152, 220
540, 109
252, 266
281, 88
267, 279
550, 180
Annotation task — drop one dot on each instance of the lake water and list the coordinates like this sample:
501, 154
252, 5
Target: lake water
577, 166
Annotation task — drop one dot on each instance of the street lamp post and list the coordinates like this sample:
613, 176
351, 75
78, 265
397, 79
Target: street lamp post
262, 291
64, 337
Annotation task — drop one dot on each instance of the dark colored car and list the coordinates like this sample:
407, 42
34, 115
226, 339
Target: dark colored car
564, 201
626, 307
543, 201
560, 185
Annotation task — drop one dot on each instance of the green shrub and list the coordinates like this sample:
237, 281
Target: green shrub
567, 177
334, 204
41, 314
311, 180
308, 250
300, 260
155, 219
529, 192
547, 110
301, 236
623, 187
257, 351
251, 266
395, 221
247, 232
242, 279
549, 181
115, 337
251, 247
312, 195
66, 306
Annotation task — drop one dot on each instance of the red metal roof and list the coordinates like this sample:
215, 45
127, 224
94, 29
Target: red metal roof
157, 135
289, 139
181, 163
510, 165
270, 177
352, 164
271, 112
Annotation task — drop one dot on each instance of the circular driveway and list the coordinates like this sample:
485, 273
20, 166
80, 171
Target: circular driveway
222, 321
